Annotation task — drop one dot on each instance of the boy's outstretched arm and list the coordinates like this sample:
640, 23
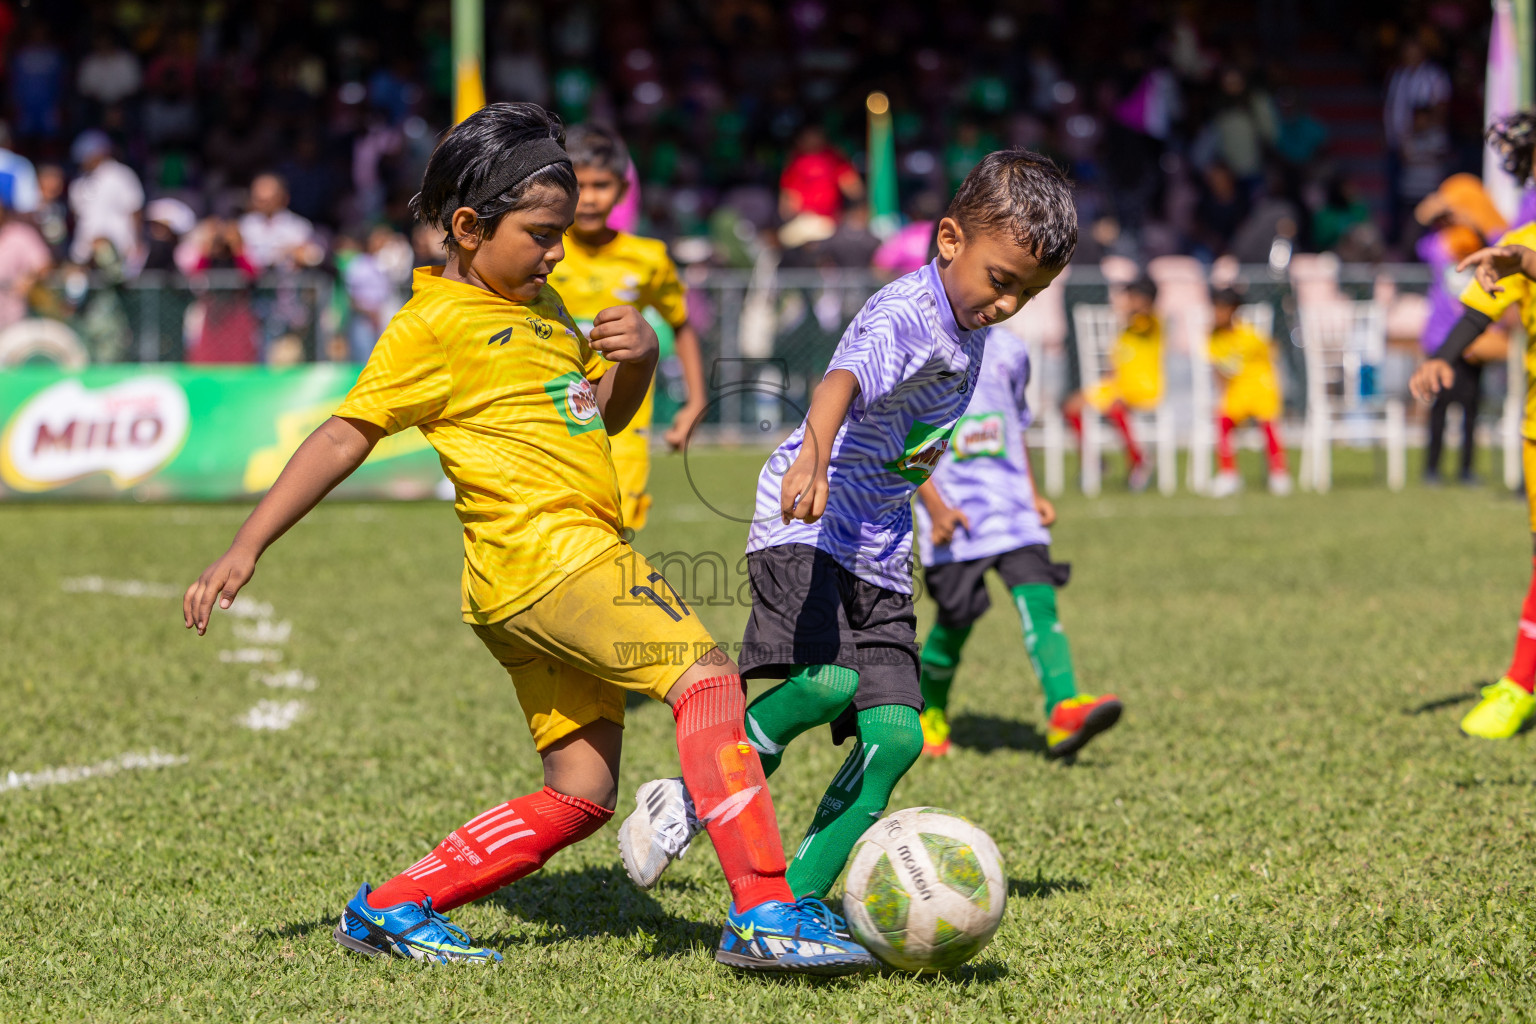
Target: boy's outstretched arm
803, 494
1496, 262
689, 354
326, 458
621, 334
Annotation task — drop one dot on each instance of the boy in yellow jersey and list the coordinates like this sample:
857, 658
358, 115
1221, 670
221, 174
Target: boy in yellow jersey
1136, 382
1244, 363
488, 364
604, 268
1503, 278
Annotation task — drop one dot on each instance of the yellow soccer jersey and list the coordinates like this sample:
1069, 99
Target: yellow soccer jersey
1242, 355
628, 271
1513, 289
504, 392
1138, 361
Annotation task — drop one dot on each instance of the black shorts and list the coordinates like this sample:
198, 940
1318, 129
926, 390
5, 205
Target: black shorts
807, 609
960, 588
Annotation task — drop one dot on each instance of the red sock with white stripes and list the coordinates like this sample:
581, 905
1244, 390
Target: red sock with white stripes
1522, 670
500, 846
730, 792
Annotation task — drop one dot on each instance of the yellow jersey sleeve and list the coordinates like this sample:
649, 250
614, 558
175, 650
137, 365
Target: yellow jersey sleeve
406, 381
1513, 289
666, 294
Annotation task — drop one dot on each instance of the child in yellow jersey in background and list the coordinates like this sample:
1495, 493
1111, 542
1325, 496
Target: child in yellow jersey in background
488, 364
1135, 383
1245, 364
603, 268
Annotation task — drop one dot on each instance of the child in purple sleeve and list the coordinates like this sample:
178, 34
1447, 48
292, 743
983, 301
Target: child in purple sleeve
829, 554
979, 512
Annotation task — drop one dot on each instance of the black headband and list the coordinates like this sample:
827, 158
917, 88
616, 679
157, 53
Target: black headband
526, 160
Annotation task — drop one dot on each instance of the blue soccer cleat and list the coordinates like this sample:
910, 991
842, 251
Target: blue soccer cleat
411, 930
798, 938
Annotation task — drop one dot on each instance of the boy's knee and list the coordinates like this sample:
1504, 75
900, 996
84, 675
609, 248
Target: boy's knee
825, 687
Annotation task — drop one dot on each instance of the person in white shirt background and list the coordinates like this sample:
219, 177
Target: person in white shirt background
106, 199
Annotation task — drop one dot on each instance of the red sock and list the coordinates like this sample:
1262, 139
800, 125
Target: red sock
1523, 668
500, 846
730, 792
1276, 449
1075, 421
1118, 417
1225, 460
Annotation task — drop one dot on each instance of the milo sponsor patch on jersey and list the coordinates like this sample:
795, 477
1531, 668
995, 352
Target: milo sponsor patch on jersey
980, 435
925, 446
576, 400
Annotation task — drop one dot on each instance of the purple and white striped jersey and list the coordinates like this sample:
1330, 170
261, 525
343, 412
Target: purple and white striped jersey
916, 371
986, 471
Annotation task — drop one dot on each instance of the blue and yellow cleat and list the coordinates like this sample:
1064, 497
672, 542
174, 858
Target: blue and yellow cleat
796, 938
411, 930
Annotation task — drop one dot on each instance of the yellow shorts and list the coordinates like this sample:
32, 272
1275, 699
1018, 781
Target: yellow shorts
632, 462
1528, 461
1141, 393
613, 625
1250, 400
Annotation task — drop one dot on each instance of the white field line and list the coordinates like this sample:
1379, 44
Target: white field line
80, 772
290, 680
120, 588
250, 655
264, 631
272, 714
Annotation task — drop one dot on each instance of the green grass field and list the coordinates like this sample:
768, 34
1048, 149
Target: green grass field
1286, 826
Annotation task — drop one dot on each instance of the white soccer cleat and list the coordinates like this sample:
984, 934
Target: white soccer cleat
1226, 484
658, 831
1279, 484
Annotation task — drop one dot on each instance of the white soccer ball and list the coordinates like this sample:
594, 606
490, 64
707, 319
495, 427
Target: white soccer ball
924, 890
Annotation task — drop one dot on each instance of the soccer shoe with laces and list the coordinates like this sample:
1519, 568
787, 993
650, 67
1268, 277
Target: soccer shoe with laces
411, 930
1505, 708
800, 938
1079, 719
935, 732
658, 831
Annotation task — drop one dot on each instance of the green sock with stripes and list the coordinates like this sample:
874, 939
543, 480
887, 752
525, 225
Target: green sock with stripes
1046, 642
812, 695
889, 741
941, 656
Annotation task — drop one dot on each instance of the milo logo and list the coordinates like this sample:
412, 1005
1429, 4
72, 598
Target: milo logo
925, 445
980, 435
581, 400
129, 431
575, 399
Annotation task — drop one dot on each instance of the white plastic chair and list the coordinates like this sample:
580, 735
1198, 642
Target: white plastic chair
1202, 431
1338, 339
1042, 324
1097, 327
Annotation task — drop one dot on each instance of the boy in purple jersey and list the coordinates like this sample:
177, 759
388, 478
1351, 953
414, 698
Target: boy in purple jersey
829, 554
979, 512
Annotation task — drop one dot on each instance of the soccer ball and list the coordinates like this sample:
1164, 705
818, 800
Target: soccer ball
924, 889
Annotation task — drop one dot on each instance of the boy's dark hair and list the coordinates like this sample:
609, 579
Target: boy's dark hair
1027, 195
1227, 297
1144, 286
592, 145
493, 162
1514, 139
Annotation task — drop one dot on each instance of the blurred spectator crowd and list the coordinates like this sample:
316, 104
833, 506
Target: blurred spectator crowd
280, 142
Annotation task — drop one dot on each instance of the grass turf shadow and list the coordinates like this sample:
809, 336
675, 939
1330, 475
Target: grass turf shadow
598, 901
1447, 702
1039, 888
987, 733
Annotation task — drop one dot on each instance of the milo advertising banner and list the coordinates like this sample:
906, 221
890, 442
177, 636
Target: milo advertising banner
165, 432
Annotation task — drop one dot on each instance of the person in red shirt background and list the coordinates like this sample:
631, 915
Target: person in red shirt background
818, 179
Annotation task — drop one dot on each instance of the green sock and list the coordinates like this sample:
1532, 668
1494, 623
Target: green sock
941, 656
812, 695
889, 741
1046, 642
